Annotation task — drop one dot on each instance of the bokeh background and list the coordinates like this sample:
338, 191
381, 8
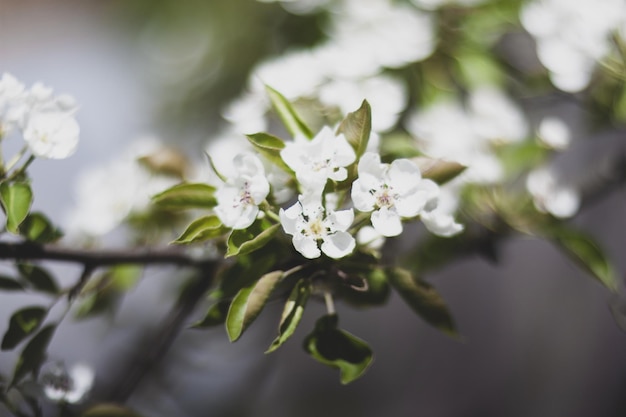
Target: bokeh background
539, 336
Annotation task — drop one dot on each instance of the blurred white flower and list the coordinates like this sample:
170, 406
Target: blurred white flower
320, 159
369, 237
435, 4
550, 195
386, 95
238, 199
449, 131
391, 191
572, 36
106, 195
310, 224
554, 132
495, 117
68, 386
45, 121
52, 135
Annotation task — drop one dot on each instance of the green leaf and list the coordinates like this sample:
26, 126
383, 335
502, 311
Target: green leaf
423, 299
288, 115
16, 199
356, 127
22, 324
339, 349
439, 170
215, 315
10, 284
38, 278
109, 410
248, 240
186, 196
398, 145
248, 303
269, 146
33, 355
202, 229
583, 250
214, 168
38, 228
292, 313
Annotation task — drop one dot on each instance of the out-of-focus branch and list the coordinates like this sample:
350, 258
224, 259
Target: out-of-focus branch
24, 251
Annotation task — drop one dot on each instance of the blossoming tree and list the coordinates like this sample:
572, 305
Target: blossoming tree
302, 212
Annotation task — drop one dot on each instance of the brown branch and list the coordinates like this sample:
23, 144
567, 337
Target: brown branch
23, 251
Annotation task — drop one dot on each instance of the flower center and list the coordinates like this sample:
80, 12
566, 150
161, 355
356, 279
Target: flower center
245, 198
385, 197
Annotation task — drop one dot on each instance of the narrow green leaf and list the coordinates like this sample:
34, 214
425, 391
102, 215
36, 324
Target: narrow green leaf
202, 229
356, 127
38, 228
16, 199
248, 240
269, 146
423, 299
292, 313
288, 115
33, 355
187, 196
439, 170
38, 278
109, 410
583, 250
22, 324
214, 168
215, 315
339, 349
248, 303
10, 284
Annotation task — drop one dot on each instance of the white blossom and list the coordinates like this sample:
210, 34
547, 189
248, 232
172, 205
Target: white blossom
68, 386
239, 198
320, 159
52, 135
572, 36
310, 224
369, 237
392, 191
105, 195
550, 195
554, 133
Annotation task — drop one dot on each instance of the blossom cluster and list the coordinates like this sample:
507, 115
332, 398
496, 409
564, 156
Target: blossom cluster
322, 219
46, 121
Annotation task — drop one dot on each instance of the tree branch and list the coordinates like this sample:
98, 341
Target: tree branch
30, 251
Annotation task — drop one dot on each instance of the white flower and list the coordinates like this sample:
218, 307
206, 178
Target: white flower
554, 133
438, 217
60, 385
309, 224
314, 162
52, 135
368, 236
239, 197
549, 195
391, 191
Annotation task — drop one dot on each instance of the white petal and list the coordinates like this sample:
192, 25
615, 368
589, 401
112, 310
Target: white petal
289, 218
259, 188
424, 194
369, 164
341, 220
441, 224
306, 246
338, 245
246, 216
403, 175
362, 199
387, 222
